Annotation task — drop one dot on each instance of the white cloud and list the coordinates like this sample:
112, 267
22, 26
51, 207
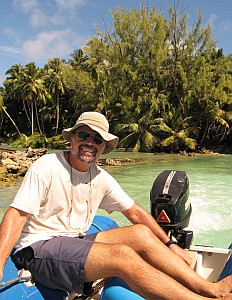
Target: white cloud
51, 12
2, 77
70, 4
38, 18
212, 19
55, 41
11, 51
52, 44
26, 5
226, 26
11, 34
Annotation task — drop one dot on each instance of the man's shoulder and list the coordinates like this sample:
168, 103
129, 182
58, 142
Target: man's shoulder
47, 160
50, 156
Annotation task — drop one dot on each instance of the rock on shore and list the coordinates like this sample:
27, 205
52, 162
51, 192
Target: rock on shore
15, 163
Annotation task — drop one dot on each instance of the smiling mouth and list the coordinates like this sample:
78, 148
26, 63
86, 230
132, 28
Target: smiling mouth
87, 150
86, 154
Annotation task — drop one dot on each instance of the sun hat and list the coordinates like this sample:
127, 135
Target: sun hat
98, 123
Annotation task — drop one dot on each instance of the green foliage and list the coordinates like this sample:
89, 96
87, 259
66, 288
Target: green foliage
57, 142
35, 140
161, 84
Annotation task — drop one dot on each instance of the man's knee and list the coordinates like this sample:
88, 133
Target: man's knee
122, 251
105, 260
143, 232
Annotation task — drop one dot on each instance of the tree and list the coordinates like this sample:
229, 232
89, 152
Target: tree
26, 84
54, 82
80, 87
161, 83
129, 58
3, 109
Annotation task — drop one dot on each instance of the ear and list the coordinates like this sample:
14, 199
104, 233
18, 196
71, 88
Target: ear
71, 139
104, 146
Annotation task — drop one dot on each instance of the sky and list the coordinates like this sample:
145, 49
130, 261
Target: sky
37, 30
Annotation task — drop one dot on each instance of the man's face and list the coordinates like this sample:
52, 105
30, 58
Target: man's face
86, 144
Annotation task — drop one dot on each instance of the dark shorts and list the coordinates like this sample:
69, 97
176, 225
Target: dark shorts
57, 263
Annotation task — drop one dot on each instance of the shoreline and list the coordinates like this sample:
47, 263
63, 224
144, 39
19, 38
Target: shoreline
14, 163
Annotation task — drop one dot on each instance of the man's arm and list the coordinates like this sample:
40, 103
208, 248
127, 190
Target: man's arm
138, 215
10, 229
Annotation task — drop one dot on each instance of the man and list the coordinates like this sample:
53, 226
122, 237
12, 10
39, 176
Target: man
54, 208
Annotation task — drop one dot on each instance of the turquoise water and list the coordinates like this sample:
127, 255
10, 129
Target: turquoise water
210, 179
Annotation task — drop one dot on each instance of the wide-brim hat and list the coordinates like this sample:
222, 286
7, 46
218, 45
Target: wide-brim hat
98, 123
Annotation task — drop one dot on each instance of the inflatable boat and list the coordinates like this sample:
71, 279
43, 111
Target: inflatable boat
171, 208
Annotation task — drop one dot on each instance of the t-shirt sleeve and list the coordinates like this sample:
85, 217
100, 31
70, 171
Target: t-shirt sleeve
115, 199
30, 194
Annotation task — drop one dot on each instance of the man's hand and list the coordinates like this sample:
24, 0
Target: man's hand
138, 215
181, 253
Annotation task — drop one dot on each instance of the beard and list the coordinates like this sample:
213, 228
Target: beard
87, 153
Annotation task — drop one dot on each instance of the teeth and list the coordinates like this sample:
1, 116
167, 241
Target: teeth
86, 149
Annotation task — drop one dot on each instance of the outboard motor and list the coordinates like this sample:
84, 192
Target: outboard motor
170, 205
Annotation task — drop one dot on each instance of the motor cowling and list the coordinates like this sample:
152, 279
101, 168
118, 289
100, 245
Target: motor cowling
170, 205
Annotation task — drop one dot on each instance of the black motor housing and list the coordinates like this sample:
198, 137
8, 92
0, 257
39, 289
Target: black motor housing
170, 205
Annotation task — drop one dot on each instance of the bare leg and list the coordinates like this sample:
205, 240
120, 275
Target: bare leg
149, 247
105, 260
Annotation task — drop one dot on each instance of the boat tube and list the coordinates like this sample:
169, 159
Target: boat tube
18, 285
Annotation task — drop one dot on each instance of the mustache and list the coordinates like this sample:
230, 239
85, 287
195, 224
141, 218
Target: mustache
88, 146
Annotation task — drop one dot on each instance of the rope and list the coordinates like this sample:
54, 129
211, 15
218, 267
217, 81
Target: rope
96, 226
14, 280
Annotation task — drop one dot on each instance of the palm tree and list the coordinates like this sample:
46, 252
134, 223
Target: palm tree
3, 109
12, 92
27, 85
34, 91
53, 80
175, 132
138, 135
79, 59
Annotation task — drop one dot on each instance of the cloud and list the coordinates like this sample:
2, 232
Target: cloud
2, 77
26, 5
50, 12
50, 44
11, 34
71, 4
226, 26
38, 18
10, 51
212, 19
44, 31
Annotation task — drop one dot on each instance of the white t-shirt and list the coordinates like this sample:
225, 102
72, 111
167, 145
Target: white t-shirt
63, 201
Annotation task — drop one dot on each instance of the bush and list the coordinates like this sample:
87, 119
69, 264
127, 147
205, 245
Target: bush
57, 142
35, 140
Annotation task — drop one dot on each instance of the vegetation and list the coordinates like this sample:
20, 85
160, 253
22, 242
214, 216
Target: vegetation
162, 87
